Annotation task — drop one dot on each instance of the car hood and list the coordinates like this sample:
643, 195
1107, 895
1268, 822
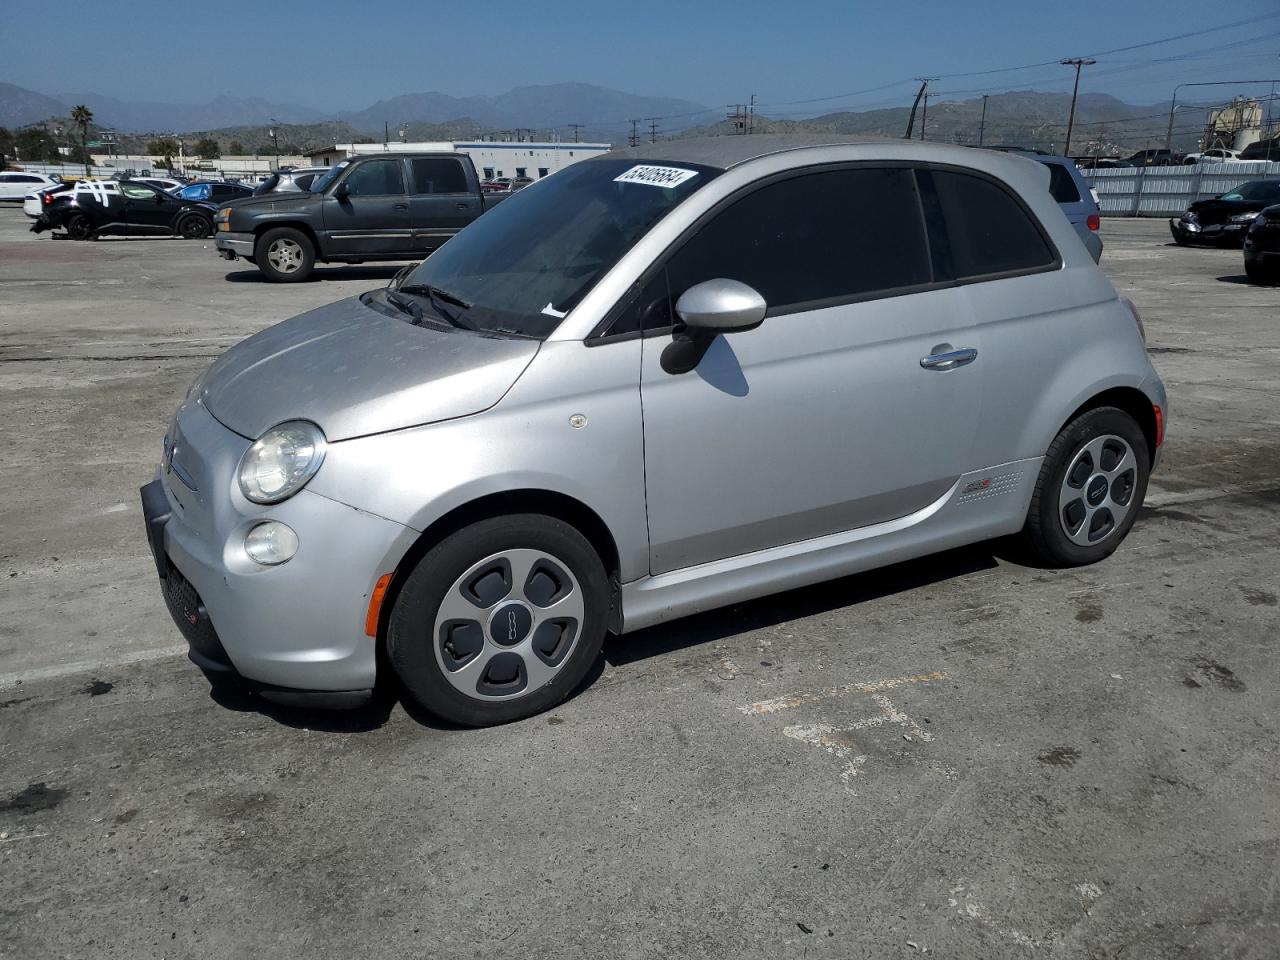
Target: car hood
353, 370
1219, 211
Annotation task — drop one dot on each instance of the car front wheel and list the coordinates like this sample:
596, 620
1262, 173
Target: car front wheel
194, 227
79, 227
500, 620
1263, 276
1090, 489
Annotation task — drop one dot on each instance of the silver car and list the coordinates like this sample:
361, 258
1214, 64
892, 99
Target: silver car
664, 380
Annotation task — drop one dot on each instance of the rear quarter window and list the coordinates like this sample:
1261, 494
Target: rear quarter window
989, 231
1062, 185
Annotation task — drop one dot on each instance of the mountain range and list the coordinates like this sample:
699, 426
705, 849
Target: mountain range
1028, 118
549, 106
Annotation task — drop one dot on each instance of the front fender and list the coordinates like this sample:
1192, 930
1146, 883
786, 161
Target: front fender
525, 442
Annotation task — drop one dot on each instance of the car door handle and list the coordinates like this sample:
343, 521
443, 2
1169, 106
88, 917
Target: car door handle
400, 206
950, 359
464, 206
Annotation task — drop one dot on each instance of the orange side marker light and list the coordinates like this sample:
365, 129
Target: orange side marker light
375, 605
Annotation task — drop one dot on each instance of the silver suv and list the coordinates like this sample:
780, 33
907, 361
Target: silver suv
661, 381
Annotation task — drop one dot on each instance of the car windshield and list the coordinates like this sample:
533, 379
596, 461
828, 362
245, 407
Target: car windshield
321, 183
525, 264
1255, 190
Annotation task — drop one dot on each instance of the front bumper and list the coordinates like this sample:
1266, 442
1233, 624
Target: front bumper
1194, 232
286, 629
231, 245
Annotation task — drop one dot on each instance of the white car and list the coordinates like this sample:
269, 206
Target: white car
16, 184
1216, 155
33, 203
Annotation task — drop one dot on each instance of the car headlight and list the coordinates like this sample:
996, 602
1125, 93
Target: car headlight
1244, 217
281, 461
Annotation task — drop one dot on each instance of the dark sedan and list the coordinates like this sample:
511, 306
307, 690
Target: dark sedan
1262, 247
1225, 219
135, 210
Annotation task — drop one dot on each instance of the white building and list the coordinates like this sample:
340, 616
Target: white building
499, 159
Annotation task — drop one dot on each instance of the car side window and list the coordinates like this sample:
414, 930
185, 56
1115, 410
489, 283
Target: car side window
825, 236
137, 192
432, 175
804, 242
989, 231
376, 178
219, 191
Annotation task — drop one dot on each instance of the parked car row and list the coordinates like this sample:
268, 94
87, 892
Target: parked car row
1247, 215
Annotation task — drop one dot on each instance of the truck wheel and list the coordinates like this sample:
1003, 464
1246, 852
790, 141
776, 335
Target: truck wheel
284, 255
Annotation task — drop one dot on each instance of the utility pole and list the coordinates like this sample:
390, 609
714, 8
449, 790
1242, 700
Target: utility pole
653, 129
924, 113
274, 134
751, 115
911, 120
982, 125
1076, 62
635, 137
575, 127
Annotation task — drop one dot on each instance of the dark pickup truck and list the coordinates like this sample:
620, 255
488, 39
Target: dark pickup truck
374, 207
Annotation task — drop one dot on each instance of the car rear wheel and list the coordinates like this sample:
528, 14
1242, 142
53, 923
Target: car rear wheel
285, 255
79, 227
194, 227
500, 620
1090, 489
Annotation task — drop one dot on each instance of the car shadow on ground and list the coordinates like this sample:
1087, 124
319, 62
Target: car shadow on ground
805, 602
380, 272
1234, 278
657, 641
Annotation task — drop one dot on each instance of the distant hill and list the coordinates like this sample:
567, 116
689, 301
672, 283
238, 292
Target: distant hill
142, 116
20, 106
1019, 118
551, 106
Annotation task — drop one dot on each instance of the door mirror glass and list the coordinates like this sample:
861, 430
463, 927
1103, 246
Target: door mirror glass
721, 306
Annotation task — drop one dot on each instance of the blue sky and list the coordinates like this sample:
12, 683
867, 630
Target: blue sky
336, 56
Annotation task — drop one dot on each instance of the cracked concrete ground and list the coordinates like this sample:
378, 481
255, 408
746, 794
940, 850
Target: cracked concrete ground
964, 755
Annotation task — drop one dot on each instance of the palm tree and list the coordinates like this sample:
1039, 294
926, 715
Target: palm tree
82, 116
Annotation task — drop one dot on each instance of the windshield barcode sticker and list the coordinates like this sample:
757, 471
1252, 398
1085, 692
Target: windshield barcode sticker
656, 176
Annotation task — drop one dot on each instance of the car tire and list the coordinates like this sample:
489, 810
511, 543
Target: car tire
79, 227
500, 620
1090, 489
285, 255
1261, 275
194, 227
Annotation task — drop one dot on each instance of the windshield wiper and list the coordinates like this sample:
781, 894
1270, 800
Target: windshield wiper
438, 296
404, 305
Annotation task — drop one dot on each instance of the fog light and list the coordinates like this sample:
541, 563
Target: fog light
271, 543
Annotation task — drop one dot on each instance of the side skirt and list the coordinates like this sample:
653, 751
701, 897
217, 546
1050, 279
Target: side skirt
982, 504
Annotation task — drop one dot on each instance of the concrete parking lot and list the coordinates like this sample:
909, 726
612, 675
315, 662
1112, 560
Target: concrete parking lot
962, 756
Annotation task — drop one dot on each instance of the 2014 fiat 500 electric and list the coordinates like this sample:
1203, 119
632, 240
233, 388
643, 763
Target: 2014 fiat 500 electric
661, 381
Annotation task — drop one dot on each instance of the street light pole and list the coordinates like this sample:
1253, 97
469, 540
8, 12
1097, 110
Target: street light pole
1076, 62
982, 126
274, 133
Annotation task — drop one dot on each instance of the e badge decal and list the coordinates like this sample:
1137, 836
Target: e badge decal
656, 176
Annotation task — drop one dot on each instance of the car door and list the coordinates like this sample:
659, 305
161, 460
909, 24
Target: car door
148, 210
824, 418
440, 203
367, 212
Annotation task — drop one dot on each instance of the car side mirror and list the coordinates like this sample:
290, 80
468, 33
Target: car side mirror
721, 306
709, 309
341, 191
159, 198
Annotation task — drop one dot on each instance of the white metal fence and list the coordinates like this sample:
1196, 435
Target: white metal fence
1165, 191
